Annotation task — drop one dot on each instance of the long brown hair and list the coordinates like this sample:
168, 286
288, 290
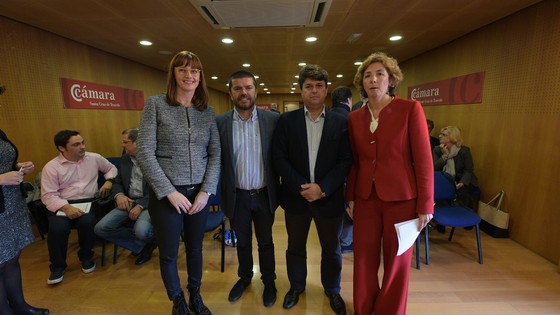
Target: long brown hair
187, 59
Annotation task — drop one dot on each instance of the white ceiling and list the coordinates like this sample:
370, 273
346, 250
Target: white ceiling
274, 53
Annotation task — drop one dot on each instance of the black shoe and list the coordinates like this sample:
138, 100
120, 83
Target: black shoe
88, 266
337, 303
146, 254
291, 298
196, 304
237, 290
180, 306
56, 277
269, 294
30, 310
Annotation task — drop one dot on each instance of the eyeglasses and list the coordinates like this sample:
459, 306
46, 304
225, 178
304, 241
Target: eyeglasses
190, 70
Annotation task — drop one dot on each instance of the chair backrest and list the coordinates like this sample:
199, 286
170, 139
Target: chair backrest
444, 187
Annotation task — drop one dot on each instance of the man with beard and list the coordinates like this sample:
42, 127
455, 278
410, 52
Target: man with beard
68, 186
248, 183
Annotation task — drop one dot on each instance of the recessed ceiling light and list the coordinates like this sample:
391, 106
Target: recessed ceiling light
301, 64
256, 77
295, 83
266, 89
246, 65
329, 83
311, 39
395, 38
268, 92
339, 75
145, 43
227, 40
261, 84
296, 76
357, 63
292, 92
293, 89
214, 77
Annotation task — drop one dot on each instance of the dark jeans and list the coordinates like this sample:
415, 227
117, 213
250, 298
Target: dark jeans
328, 229
57, 239
254, 210
168, 225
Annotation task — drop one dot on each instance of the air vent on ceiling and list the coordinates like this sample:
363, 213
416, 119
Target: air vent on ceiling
263, 13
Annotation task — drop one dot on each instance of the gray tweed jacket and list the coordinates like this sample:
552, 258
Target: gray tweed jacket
178, 146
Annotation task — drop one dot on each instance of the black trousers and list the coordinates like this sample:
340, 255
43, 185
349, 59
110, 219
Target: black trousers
168, 226
328, 230
57, 239
252, 209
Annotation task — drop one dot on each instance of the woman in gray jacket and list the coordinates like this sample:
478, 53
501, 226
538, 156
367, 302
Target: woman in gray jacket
179, 154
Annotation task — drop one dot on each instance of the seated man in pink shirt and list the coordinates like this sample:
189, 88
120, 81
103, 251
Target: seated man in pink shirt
68, 186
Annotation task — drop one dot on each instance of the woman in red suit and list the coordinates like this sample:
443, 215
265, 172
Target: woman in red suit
391, 181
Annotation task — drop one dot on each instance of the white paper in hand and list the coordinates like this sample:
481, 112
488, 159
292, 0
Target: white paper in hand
84, 206
407, 232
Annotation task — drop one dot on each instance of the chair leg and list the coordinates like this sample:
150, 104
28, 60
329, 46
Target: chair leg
103, 243
451, 234
223, 232
115, 249
417, 249
479, 245
427, 245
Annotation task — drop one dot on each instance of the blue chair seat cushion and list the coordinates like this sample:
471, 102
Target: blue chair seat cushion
456, 216
215, 219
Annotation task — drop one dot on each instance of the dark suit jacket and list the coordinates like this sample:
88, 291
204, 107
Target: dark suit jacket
267, 124
397, 155
122, 182
464, 166
290, 157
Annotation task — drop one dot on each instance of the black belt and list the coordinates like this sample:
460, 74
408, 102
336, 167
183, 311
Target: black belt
253, 191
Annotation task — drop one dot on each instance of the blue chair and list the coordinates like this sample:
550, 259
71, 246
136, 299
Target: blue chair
451, 215
216, 218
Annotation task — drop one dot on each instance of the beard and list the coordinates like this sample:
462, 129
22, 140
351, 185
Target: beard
244, 103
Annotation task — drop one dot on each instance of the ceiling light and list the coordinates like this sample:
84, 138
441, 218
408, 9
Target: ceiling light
256, 77
311, 39
246, 65
339, 75
296, 76
214, 77
293, 89
145, 43
261, 84
295, 83
227, 40
395, 38
302, 64
357, 63
266, 89
268, 92
292, 92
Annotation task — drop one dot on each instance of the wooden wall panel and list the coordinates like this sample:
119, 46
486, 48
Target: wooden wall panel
512, 134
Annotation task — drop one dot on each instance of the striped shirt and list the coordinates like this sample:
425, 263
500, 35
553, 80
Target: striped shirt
247, 152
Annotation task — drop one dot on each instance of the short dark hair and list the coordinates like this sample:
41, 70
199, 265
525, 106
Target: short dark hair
314, 72
62, 137
340, 95
241, 74
430, 123
131, 133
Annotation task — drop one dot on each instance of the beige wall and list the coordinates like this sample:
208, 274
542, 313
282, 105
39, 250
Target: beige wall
512, 134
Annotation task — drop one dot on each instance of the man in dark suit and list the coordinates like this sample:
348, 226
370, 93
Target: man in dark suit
129, 224
248, 183
311, 153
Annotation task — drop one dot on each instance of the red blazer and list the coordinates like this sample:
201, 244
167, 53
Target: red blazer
397, 155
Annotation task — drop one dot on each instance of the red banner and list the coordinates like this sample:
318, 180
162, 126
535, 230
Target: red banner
264, 106
466, 89
88, 95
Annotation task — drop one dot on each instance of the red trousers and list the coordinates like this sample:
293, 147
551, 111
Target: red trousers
374, 227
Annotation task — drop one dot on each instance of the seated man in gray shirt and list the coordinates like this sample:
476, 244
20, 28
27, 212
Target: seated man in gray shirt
129, 224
